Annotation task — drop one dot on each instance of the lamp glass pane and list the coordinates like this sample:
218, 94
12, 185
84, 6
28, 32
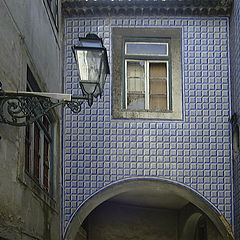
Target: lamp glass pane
103, 75
89, 88
89, 63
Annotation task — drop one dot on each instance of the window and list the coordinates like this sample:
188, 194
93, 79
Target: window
53, 5
38, 145
147, 73
147, 81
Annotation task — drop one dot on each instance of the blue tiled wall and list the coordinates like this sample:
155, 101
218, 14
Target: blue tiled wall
235, 63
99, 150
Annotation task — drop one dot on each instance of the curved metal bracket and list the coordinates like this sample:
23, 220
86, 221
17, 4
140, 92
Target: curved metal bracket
75, 106
21, 109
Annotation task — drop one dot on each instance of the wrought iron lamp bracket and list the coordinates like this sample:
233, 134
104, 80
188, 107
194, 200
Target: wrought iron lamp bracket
23, 108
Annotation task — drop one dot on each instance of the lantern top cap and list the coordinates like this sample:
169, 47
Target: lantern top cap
92, 36
91, 40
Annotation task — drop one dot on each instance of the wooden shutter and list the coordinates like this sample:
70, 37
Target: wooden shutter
46, 155
27, 149
36, 152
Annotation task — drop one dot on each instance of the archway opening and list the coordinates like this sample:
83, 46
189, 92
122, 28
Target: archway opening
147, 209
155, 216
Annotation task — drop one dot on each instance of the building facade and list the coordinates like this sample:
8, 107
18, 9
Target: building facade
157, 156
30, 60
127, 147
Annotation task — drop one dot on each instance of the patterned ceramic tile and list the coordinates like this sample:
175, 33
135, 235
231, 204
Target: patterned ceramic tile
99, 150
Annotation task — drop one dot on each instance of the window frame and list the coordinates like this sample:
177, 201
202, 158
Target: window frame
146, 41
164, 58
33, 157
53, 7
146, 85
119, 36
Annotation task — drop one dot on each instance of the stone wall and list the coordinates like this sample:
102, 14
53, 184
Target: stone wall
28, 38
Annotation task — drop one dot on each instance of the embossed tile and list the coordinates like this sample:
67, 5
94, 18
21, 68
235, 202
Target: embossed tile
195, 151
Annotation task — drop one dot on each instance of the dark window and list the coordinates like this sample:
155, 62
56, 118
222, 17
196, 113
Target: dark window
46, 160
38, 144
36, 151
53, 5
27, 149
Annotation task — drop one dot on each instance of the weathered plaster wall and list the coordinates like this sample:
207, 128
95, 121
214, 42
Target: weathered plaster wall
26, 38
195, 151
34, 23
235, 80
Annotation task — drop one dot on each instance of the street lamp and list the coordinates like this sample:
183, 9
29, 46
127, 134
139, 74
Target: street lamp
91, 58
23, 108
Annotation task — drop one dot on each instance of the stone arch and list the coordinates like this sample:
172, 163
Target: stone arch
154, 184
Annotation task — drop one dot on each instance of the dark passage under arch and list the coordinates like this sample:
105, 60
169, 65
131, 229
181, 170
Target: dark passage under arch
127, 209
